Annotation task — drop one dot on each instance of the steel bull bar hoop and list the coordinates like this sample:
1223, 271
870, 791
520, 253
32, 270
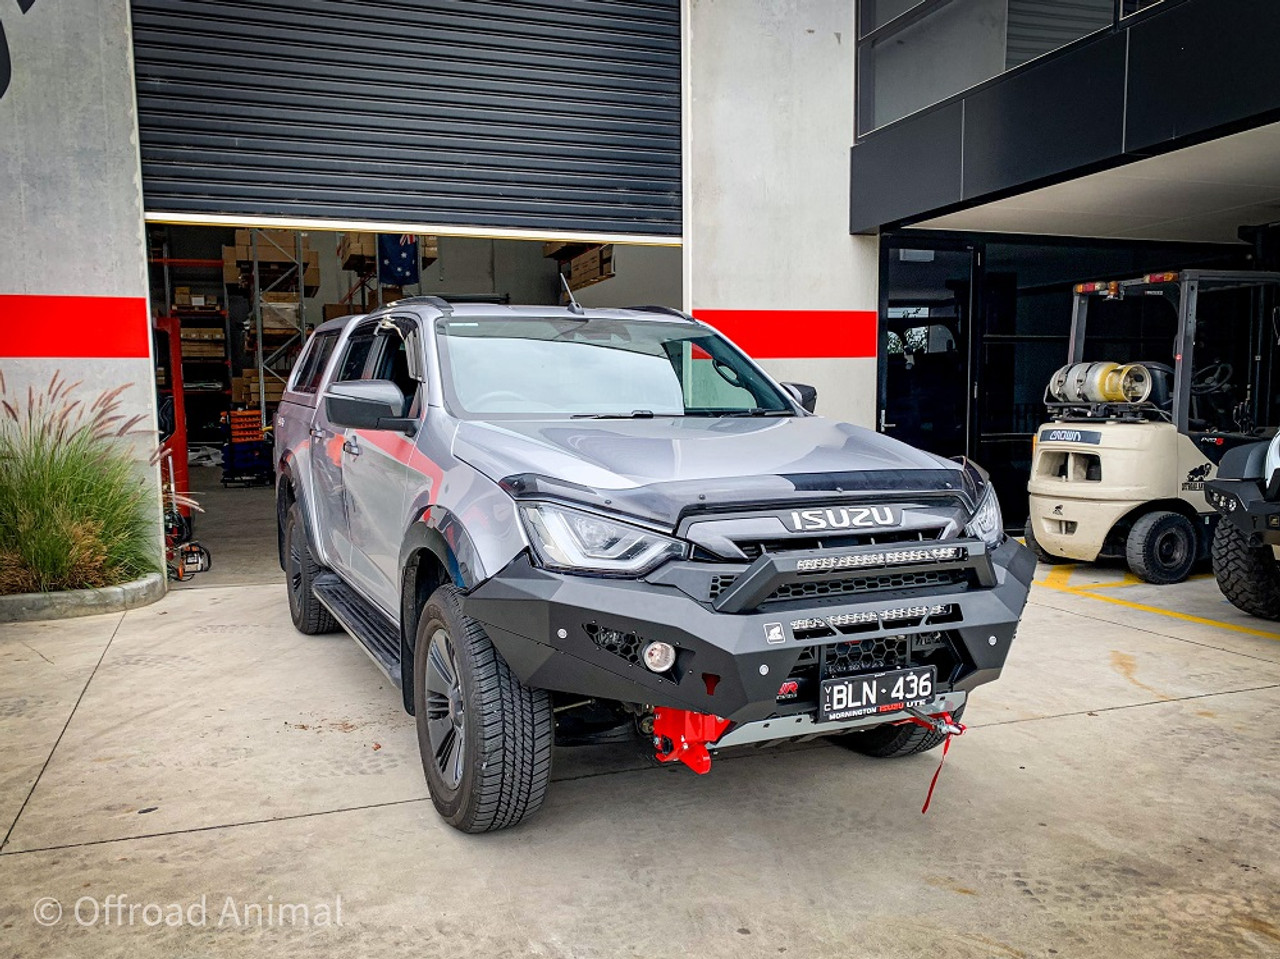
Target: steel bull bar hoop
771, 574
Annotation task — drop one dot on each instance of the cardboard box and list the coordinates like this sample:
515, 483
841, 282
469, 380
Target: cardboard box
230, 267
334, 310
356, 250
203, 349
279, 244
590, 267
202, 333
280, 316
429, 247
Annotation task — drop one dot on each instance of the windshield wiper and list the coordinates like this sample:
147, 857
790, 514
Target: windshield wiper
633, 415
755, 411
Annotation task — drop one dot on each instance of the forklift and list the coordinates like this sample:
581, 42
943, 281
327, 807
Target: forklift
1119, 471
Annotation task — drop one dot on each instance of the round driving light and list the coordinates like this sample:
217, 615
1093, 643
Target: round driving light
659, 657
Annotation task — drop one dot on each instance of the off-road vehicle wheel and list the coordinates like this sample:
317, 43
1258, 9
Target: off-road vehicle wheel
1161, 548
892, 742
485, 738
1249, 576
300, 571
1029, 534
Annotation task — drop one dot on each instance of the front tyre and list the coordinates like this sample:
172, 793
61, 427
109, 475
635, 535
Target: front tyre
300, 571
485, 738
1161, 548
894, 742
1249, 576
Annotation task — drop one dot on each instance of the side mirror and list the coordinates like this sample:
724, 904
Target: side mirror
367, 405
806, 396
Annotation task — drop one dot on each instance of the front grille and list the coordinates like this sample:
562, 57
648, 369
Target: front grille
756, 548
870, 655
905, 579
720, 583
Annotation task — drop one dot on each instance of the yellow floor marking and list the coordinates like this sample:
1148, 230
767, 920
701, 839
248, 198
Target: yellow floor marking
1128, 580
1059, 577
1059, 583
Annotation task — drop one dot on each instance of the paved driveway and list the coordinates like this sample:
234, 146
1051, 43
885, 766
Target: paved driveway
1118, 794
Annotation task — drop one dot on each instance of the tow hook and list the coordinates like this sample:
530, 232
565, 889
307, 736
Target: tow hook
940, 723
682, 736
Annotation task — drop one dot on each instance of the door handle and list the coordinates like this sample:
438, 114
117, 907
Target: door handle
317, 433
351, 446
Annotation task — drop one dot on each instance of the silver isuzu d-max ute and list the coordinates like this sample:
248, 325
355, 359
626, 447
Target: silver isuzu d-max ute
555, 525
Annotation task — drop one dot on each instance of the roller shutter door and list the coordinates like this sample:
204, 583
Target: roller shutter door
546, 116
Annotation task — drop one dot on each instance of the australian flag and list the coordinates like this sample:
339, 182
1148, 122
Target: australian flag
398, 262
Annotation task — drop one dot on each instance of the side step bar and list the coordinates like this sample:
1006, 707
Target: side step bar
367, 625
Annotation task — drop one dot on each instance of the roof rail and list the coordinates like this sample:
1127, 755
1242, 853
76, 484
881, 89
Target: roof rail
441, 304
669, 310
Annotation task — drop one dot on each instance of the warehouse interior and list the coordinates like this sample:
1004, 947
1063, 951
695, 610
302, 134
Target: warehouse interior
231, 308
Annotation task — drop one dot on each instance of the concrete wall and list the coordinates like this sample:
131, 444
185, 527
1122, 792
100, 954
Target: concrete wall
73, 285
769, 125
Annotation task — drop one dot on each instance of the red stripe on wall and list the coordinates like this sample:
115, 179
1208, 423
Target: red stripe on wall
114, 327
797, 334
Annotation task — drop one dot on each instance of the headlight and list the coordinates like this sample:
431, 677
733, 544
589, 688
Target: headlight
574, 540
1273, 463
987, 523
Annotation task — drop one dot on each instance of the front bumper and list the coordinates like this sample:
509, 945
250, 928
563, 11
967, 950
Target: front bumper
583, 635
1243, 503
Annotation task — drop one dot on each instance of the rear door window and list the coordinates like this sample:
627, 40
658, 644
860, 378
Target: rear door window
311, 369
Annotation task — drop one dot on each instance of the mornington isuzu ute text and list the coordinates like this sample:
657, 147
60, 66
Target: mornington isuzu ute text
561, 526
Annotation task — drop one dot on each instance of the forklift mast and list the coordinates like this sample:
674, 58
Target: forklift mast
1183, 291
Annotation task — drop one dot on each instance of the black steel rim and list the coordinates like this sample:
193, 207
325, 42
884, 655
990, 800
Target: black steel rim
1171, 549
446, 726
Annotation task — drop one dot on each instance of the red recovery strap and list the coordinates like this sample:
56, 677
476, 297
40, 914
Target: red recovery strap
951, 728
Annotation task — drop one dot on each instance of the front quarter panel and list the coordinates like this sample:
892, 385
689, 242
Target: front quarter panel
459, 512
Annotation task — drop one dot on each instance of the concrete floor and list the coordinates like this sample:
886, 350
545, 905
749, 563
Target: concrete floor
238, 526
1117, 795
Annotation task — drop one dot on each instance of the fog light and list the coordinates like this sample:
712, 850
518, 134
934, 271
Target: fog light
659, 657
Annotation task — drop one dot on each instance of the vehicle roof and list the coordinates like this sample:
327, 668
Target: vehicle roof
420, 305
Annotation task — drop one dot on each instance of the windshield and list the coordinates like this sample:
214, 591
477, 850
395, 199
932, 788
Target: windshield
563, 366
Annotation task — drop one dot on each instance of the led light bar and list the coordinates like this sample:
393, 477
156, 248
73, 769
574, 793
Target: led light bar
897, 557
853, 619
906, 612
798, 624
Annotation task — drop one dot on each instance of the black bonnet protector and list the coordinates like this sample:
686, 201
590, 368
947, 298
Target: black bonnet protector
666, 504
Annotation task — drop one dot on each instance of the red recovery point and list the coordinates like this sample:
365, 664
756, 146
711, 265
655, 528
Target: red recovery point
682, 736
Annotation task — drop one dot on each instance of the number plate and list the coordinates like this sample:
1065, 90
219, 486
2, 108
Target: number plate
853, 696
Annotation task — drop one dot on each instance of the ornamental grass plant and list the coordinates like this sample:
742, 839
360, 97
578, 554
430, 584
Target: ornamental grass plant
74, 512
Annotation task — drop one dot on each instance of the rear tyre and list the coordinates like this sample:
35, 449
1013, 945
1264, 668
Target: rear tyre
1161, 548
894, 742
485, 737
300, 571
1249, 576
1029, 534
